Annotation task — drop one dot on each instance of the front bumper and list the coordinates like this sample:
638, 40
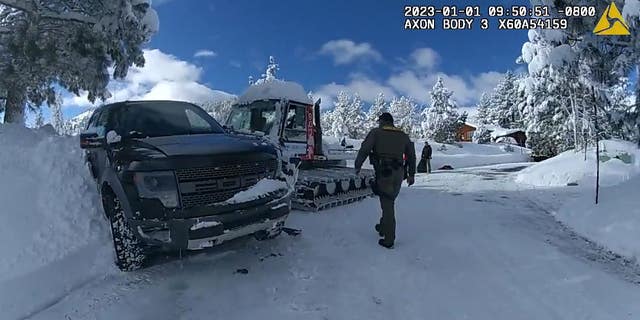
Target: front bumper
208, 230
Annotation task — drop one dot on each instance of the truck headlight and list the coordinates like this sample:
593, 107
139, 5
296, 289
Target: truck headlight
159, 185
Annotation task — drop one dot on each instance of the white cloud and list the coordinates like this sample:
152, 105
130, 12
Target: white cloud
163, 76
346, 51
413, 82
425, 58
205, 54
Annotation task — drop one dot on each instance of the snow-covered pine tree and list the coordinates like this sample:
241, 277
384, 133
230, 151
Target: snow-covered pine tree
504, 105
39, 119
57, 119
405, 115
355, 119
219, 110
337, 121
482, 135
377, 108
484, 110
68, 44
442, 120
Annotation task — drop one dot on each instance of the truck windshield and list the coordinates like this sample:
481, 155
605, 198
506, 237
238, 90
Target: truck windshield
257, 116
163, 118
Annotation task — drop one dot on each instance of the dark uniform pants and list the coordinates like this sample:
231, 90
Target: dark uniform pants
388, 189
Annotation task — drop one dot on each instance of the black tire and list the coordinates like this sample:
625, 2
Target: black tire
130, 254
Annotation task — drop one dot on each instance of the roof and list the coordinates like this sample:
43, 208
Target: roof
496, 131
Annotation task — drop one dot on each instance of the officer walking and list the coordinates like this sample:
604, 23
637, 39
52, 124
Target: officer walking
385, 147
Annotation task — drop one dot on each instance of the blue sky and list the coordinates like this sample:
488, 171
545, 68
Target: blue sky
327, 46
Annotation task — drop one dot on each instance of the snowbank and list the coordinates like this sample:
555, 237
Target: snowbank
49, 213
275, 89
462, 155
619, 162
613, 223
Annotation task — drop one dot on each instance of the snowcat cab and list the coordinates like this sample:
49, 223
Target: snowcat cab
283, 111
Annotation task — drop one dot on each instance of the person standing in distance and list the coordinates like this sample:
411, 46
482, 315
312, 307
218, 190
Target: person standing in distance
385, 147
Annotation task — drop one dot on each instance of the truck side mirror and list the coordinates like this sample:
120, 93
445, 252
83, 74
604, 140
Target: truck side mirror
91, 140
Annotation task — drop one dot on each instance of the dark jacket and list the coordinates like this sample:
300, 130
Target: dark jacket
388, 142
426, 152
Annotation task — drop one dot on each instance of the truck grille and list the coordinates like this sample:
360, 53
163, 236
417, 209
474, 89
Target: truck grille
210, 185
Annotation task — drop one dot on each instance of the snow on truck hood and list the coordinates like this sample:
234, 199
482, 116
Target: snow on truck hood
207, 144
274, 89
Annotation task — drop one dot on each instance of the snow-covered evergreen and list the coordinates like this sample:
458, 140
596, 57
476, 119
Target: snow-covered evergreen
405, 114
441, 119
219, 110
68, 44
484, 109
378, 107
482, 135
503, 105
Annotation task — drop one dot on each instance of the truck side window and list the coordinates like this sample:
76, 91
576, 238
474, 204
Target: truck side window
295, 129
197, 123
101, 123
91, 124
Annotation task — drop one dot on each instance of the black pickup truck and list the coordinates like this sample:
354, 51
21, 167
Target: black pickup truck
171, 178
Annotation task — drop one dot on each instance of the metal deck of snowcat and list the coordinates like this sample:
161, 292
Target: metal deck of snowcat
321, 188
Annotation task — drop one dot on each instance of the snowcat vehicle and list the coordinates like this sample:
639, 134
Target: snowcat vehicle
283, 112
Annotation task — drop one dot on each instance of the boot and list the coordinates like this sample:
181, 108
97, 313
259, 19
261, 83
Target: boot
385, 244
379, 229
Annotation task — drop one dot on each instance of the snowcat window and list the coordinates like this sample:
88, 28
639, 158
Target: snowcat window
155, 119
258, 116
295, 130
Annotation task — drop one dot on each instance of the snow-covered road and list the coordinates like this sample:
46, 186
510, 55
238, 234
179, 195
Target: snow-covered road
471, 245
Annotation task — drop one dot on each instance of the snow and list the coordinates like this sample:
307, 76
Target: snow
614, 222
631, 9
50, 217
275, 89
462, 252
113, 137
204, 224
259, 190
472, 243
77, 124
462, 155
570, 167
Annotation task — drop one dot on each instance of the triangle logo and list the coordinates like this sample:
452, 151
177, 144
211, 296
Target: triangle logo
612, 23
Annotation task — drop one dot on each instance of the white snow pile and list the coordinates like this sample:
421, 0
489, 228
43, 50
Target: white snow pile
461, 155
619, 161
260, 189
274, 89
50, 218
613, 223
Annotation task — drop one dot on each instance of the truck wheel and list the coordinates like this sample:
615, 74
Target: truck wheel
129, 252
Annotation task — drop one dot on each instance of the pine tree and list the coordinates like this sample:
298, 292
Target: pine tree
219, 110
337, 119
484, 109
378, 107
39, 120
355, 118
57, 119
68, 44
404, 112
504, 105
482, 135
442, 120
